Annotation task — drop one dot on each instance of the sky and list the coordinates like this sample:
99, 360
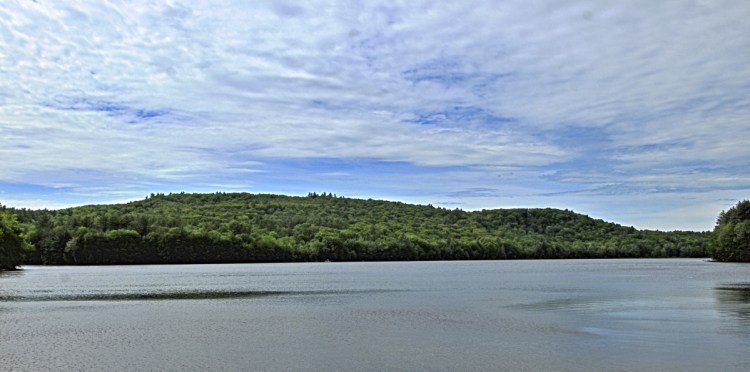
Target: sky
635, 112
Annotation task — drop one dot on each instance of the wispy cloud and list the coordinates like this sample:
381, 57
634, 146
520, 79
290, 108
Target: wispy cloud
625, 110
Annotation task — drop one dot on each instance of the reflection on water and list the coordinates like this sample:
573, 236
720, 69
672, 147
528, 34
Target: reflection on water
12, 273
165, 295
136, 296
734, 299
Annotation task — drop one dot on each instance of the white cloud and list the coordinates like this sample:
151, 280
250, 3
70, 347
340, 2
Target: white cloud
575, 95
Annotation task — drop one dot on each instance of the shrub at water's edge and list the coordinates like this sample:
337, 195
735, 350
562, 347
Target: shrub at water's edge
12, 242
730, 240
242, 227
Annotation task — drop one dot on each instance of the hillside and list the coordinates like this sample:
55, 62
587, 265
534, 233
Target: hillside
242, 227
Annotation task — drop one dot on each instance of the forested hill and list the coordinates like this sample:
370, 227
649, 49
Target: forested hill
242, 227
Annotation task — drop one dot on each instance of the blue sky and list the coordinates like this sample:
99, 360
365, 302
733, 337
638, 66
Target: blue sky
636, 112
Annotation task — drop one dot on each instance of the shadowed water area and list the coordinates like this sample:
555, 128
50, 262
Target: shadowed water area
683, 314
177, 295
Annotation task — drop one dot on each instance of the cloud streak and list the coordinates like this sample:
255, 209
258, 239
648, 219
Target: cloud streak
625, 111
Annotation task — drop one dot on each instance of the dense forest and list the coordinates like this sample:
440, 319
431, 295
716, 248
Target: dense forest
730, 240
243, 227
13, 246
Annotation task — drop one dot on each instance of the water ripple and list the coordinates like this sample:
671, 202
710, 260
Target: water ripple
169, 295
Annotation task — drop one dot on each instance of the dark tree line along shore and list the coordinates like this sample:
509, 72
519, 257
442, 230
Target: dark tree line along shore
243, 227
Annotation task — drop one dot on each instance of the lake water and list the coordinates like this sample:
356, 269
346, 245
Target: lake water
667, 314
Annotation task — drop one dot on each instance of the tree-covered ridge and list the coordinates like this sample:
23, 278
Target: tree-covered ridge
242, 227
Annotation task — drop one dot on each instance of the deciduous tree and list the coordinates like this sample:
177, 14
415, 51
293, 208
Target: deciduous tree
730, 240
12, 242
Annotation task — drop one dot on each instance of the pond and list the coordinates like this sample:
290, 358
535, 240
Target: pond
666, 314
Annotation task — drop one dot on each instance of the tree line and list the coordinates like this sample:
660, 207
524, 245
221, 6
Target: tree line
243, 227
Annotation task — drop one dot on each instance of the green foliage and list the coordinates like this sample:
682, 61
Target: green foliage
242, 227
12, 242
730, 240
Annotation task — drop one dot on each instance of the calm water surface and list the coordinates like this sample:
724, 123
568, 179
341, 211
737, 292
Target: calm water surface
686, 315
